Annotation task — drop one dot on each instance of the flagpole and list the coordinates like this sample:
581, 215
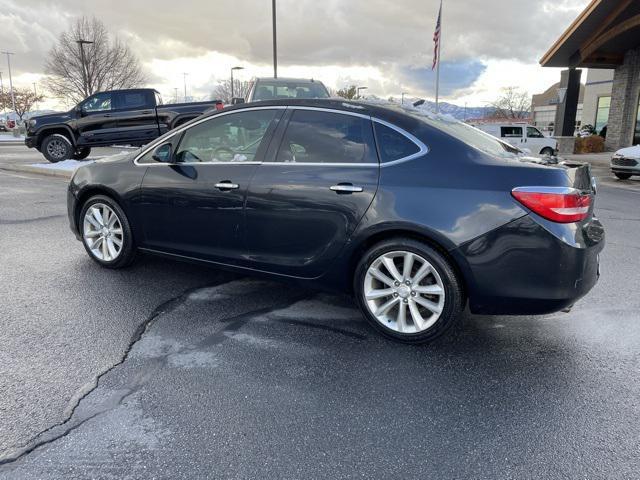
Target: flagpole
438, 64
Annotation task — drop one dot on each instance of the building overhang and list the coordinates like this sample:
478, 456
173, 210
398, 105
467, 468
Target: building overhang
599, 37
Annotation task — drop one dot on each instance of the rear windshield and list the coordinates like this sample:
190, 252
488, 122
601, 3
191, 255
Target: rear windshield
466, 133
275, 90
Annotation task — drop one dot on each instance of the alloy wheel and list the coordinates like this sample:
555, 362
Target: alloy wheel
57, 149
404, 292
102, 232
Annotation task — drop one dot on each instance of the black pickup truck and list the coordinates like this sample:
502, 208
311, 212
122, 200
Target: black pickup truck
131, 117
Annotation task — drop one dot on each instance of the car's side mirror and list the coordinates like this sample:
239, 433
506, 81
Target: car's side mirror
237, 100
79, 111
163, 153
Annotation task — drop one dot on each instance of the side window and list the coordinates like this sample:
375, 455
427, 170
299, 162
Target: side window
324, 137
100, 102
511, 132
392, 144
132, 100
534, 133
225, 138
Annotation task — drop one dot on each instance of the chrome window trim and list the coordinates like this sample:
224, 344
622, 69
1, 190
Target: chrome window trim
156, 143
423, 148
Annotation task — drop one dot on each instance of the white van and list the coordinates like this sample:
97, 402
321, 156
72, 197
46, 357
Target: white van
522, 136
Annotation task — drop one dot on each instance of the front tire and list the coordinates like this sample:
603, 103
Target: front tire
622, 176
408, 291
106, 233
56, 148
82, 153
547, 151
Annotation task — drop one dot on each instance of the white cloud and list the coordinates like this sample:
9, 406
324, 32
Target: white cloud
369, 42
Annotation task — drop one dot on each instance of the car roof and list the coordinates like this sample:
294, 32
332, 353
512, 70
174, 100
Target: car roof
351, 106
286, 80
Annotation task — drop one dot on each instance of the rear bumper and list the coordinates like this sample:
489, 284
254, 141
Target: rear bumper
524, 268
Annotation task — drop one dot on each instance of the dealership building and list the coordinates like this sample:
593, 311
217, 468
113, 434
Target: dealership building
605, 37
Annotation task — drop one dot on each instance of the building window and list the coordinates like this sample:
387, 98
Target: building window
602, 113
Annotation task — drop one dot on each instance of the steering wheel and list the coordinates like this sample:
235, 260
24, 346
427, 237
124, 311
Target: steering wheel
225, 153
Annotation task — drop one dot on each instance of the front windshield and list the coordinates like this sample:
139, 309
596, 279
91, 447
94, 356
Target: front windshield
281, 90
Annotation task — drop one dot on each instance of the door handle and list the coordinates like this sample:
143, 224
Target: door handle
107, 114
345, 188
226, 185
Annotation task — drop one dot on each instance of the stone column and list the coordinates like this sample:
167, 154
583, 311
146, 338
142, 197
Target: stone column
624, 102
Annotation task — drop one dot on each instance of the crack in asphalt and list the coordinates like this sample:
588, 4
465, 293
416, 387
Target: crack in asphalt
230, 324
34, 443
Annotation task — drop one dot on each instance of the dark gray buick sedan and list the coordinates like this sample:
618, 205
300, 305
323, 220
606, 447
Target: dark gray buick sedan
417, 215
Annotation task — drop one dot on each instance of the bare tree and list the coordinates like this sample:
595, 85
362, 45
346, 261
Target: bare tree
348, 92
108, 64
513, 104
25, 100
223, 90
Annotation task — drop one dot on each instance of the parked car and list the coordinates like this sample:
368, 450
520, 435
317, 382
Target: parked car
284, 88
133, 116
522, 136
626, 162
416, 215
3, 127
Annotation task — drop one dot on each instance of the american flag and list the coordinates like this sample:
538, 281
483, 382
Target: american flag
436, 40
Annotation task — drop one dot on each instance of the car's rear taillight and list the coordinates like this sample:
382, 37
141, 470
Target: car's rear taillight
558, 204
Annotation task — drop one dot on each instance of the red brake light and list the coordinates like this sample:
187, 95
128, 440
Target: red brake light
558, 204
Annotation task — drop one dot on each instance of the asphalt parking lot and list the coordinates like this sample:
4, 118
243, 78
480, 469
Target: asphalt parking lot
172, 370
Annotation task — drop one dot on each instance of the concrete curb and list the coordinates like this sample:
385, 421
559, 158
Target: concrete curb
37, 170
11, 143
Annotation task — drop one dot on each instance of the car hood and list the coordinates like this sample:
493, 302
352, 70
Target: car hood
630, 152
119, 157
51, 118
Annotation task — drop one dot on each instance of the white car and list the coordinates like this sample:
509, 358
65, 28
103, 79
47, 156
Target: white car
521, 136
626, 162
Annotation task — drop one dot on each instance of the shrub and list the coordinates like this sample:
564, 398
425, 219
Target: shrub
592, 144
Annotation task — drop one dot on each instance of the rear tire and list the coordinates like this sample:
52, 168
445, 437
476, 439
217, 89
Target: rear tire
547, 151
56, 148
106, 233
622, 176
82, 153
424, 306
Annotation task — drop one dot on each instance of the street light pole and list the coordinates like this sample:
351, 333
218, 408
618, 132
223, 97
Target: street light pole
13, 97
275, 39
176, 94
232, 69
402, 100
2, 92
184, 79
85, 80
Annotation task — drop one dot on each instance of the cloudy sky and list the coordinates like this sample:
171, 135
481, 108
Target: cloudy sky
384, 44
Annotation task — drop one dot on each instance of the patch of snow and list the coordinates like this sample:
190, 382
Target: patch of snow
66, 165
630, 152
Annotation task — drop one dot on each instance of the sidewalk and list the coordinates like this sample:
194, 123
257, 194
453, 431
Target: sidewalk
595, 159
